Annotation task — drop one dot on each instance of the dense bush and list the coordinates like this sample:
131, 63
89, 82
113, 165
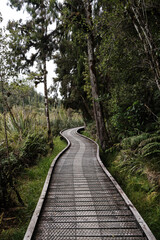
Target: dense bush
27, 140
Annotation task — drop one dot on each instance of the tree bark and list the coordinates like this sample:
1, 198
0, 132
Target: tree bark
88, 111
97, 108
44, 29
4, 117
46, 101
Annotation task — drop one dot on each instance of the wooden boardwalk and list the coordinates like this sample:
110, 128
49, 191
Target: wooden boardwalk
83, 201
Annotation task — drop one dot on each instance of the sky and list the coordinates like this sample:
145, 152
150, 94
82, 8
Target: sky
11, 14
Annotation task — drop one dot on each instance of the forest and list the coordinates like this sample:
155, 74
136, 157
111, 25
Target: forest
107, 56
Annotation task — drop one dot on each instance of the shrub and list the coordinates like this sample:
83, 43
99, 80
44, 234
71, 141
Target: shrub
8, 171
34, 144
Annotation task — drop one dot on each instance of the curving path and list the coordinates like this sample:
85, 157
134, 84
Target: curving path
82, 201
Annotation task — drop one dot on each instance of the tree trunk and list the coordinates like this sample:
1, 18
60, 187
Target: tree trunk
4, 117
46, 103
141, 25
6, 135
86, 110
97, 108
44, 29
3, 182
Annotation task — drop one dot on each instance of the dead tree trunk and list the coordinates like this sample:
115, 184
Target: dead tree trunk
97, 108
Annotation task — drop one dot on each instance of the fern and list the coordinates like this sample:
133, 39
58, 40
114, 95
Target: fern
158, 132
128, 162
150, 140
134, 141
2, 149
115, 147
152, 154
151, 148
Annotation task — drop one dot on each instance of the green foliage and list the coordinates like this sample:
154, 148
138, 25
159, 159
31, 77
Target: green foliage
151, 138
35, 144
30, 184
134, 141
90, 131
145, 146
71, 60
31, 33
141, 183
125, 81
65, 119
70, 68
19, 93
8, 172
125, 78
2, 149
28, 142
150, 149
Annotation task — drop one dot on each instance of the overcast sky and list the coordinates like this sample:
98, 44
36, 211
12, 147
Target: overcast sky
11, 14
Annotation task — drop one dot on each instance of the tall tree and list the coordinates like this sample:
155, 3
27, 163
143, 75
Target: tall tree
77, 16
70, 61
97, 107
33, 42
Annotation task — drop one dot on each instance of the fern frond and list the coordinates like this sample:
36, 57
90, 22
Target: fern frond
149, 140
134, 141
150, 148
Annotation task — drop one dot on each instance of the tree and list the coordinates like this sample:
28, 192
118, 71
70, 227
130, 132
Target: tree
77, 18
33, 38
6, 72
98, 112
138, 13
70, 61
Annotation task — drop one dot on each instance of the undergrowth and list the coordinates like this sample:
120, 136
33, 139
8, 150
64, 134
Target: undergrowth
90, 131
26, 142
64, 119
14, 222
134, 162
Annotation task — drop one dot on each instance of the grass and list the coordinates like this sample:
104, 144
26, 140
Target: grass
144, 194
14, 222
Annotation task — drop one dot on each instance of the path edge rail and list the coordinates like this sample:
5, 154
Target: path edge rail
138, 217
32, 225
